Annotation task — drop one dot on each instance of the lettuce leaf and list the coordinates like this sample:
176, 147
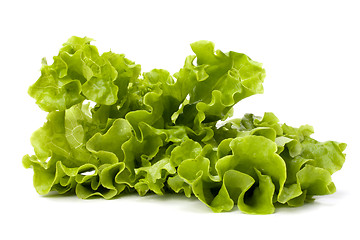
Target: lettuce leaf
111, 129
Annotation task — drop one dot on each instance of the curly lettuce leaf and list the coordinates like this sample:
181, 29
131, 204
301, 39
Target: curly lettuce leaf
54, 93
226, 79
80, 72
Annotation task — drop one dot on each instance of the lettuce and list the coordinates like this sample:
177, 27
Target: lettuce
111, 129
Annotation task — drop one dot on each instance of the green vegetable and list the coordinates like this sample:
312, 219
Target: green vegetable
158, 133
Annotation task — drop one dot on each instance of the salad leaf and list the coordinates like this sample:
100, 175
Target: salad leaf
111, 129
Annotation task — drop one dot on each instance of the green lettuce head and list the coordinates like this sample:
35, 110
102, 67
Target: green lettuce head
111, 129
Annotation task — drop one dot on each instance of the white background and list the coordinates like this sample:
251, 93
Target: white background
310, 50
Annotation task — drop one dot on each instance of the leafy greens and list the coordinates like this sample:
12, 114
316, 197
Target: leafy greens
158, 133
